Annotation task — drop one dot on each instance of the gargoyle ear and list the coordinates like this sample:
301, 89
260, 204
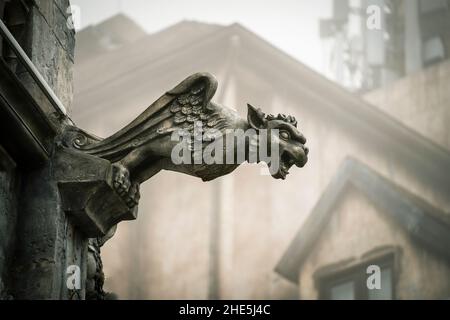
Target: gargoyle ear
256, 118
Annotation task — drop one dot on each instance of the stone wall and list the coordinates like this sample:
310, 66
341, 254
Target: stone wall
50, 45
37, 239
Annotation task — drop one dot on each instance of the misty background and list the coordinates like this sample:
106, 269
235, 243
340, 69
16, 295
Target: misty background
374, 105
290, 25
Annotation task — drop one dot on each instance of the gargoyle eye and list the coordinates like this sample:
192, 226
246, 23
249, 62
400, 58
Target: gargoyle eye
285, 135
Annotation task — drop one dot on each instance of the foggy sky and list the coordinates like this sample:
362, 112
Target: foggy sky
291, 25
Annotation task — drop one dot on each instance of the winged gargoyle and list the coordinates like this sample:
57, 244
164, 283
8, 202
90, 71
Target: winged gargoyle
144, 147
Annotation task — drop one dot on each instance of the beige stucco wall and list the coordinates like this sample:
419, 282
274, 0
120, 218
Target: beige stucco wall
421, 274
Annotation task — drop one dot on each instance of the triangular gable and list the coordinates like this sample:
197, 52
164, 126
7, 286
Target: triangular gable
413, 214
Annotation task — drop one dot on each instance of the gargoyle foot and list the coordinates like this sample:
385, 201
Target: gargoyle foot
121, 179
128, 191
133, 196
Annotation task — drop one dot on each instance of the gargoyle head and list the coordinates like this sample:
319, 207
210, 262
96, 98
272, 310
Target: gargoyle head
281, 130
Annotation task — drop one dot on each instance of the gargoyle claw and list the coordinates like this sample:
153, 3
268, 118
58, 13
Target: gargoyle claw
133, 196
122, 183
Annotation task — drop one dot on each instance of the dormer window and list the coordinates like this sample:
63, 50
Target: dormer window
357, 283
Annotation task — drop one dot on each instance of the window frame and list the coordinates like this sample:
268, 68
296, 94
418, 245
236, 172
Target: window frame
356, 272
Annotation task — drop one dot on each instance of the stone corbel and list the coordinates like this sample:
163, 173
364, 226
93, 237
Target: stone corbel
87, 192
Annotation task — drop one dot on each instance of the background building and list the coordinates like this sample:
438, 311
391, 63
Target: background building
228, 238
412, 34
334, 253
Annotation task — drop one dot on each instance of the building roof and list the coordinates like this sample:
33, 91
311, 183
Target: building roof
189, 46
107, 36
420, 219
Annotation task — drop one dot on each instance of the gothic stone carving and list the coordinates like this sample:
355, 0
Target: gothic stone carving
144, 147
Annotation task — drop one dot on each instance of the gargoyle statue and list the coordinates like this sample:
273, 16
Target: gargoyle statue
145, 146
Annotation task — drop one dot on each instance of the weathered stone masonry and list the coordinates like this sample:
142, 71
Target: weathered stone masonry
37, 240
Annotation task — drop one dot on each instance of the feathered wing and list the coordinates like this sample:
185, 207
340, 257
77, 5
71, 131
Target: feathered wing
182, 107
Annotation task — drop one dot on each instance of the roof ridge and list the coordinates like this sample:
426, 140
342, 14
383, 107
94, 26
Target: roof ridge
157, 59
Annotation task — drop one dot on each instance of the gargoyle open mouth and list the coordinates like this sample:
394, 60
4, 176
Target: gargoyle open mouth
287, 160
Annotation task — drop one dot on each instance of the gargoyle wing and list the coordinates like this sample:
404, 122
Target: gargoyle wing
180, 108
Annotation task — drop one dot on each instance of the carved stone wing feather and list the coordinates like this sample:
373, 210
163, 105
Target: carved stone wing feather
181, 107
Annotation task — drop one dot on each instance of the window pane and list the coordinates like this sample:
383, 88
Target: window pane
385, 292
433, 50
343, 291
